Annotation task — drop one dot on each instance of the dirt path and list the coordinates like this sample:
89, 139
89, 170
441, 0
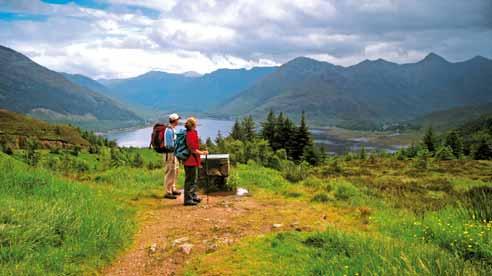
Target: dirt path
169, 227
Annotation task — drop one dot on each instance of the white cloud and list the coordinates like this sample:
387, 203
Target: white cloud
161, 5
203, 35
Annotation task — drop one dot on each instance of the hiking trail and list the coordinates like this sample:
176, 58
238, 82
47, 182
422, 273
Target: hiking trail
170, 234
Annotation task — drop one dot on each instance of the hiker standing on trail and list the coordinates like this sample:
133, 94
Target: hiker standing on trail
192, 163
171, 162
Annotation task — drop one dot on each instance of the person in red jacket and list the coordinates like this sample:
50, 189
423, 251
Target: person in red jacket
193, 162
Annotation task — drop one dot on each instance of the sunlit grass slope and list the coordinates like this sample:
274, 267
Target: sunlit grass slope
53, 226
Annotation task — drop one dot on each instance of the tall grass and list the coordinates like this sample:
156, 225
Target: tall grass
50, 226
334, 253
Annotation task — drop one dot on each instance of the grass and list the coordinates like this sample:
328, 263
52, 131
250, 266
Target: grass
73, 212
59, 219
332, 252
51, 226
411, 222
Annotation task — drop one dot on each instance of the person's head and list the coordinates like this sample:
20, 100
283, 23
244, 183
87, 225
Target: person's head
174, 119
190, 123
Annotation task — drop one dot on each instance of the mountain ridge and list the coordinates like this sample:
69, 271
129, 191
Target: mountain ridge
372, 91
27, 87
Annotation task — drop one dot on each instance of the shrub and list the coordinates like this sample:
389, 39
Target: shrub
345, 190
274, 162
55, 150
138, 161
31, 156
444, 153
422, 159
76, 150
294, 172
479, 201
317, 183
80, 166
321, 197
482, 150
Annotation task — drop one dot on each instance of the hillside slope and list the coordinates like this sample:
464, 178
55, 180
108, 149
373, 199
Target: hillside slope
453, 118
29, 88
16, 128
377, 91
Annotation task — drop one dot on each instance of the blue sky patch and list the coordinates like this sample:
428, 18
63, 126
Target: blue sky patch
83, 3
14, 16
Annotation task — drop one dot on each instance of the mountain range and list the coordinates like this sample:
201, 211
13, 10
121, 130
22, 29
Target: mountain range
30, 88
366, 95
184, 92
371, 91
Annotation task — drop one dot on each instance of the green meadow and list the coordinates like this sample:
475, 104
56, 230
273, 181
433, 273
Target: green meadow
408, 221
424, 210
74, 211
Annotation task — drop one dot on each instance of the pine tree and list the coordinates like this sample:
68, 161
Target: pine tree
237, 131
303, 139
268, 127
288, 135
455, 142
219, 139
429, 140
209, 143
248, 127
277, 139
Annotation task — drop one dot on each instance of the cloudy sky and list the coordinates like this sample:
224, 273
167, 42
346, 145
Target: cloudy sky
124, 38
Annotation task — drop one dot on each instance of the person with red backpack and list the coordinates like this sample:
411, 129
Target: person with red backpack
170, 161
163, 140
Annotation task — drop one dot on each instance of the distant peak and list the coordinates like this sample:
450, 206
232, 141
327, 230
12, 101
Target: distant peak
433, 57
191, 74
378, 62
479, 58
301, 60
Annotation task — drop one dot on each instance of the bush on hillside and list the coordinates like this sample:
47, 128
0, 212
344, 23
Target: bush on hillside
479, 201
444, 153
295, 172
345, 190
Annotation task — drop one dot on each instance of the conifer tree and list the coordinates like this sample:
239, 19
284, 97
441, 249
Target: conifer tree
455, 142
219, 138
288, 134
303, 139
429, 140
277, 139
237, 131
268, 127
248, 127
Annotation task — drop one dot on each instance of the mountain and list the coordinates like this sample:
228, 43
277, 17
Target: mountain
15, 128
86, 82
371, 91
184, 92
30, 88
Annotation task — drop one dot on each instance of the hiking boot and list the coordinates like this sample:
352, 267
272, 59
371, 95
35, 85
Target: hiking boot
170, 196
197, 199
176, 193
190, 203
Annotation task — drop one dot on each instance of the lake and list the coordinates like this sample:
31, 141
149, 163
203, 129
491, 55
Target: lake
141, 137
210, 127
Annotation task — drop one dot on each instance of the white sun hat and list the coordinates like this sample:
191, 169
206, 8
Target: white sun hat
174, 117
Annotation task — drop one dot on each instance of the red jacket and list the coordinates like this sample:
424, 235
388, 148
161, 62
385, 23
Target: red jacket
193, 144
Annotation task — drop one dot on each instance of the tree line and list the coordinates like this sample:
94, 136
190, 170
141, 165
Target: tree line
472, 140
277, 136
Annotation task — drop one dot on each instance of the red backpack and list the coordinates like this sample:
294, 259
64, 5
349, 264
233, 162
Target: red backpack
158, 139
